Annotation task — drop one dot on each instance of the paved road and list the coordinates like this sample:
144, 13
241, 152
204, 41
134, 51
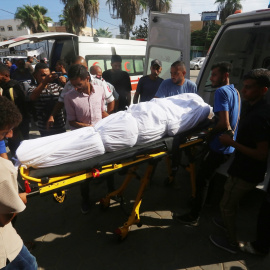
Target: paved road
193, 75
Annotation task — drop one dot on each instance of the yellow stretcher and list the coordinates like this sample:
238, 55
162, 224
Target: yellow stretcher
55, 180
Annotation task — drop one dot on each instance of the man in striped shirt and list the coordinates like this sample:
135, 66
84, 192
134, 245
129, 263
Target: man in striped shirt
44, 96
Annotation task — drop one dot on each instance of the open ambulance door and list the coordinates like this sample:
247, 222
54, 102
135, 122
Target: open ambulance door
168, 40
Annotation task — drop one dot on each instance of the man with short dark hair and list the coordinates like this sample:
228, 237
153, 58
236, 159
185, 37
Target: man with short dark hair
227, 112
149, 84
120, 80
178, 84
85, 106
44, 96
251, 151
13, 253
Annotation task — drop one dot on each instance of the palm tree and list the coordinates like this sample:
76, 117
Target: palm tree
227, 7
77, 12
156, 5
33, 17
103, 33
126, 10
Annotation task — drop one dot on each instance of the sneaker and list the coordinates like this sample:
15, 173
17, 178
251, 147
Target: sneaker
248, 247
223, 243
219, 222
186, 219
85, 207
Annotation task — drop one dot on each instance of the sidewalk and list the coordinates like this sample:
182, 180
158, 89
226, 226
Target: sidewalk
66, 239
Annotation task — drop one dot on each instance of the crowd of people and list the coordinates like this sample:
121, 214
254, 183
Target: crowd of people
72, 97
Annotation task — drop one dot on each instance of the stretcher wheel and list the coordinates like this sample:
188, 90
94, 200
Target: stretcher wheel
139, 225
121, 233
59, 196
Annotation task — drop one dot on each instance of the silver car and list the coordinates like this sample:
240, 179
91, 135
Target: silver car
196, 63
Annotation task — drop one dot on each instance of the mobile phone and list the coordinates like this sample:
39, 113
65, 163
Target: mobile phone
59, 73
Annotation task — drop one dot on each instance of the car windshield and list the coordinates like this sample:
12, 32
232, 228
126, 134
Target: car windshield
196, 59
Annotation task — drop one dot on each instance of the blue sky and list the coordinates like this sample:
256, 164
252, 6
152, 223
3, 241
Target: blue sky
192, 7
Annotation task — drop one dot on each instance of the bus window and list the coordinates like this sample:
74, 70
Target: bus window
98, 62
138, 65
127, 65
108, 64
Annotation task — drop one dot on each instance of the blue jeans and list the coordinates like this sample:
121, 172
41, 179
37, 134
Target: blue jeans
24, 261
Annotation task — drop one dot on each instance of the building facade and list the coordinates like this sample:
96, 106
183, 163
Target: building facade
11, 28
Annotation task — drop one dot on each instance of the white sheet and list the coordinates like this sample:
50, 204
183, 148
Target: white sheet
62, 148
151, 120
118, 131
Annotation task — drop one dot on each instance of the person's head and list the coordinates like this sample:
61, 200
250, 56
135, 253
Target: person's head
41, 71
116, 63
220, 73
10, 117
79, 60
30, 59
20, 64
96, 70
155, 68
178, 72
8, 63
79, 78
4, 74
61, 66
255, 85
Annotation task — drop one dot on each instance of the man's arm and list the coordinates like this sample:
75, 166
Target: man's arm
110, 107
57, 108
6, 218
259, 153
38, 90
223, 124
76, 124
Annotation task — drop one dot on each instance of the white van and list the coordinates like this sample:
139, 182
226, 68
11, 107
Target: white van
96, 51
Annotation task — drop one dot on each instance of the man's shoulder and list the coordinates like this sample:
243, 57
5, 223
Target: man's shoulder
190, 83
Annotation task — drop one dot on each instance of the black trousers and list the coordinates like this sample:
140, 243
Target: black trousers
211, 162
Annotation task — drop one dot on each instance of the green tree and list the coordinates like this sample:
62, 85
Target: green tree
33, 17
205, 36
76, 13
141, 31
126, 10
227, 7
103, 33
156, 5
66, 21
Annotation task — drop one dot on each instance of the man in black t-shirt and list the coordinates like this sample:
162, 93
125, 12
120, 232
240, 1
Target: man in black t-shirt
251, 151
149, 84
120, 80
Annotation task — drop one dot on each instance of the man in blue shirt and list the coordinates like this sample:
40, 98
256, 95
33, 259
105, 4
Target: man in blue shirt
178, 84
227, 112
149, 84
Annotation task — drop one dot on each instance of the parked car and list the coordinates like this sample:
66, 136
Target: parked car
196, 63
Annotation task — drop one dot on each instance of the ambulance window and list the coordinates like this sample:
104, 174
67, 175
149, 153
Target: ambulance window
98, 62
138, 65
127, 65
166, 56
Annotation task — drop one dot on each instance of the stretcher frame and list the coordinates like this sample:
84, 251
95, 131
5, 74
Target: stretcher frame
58, 184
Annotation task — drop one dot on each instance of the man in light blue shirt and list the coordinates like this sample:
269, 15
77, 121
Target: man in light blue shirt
178, 84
